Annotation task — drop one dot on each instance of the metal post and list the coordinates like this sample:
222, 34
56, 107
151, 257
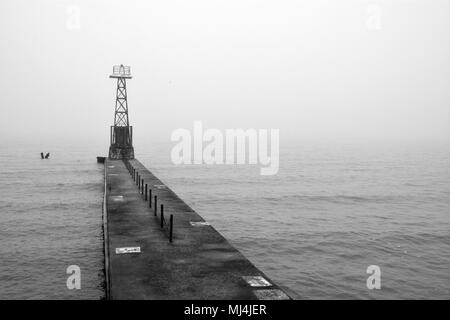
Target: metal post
156, 204
150, 198
145, 197
162, 215
171, 228
142, 186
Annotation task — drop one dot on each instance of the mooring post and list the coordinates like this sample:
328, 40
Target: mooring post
171, 228
150, 198
156, 204
162, 215
145, 197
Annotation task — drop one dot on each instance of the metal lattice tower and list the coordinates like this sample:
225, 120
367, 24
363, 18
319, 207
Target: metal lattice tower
121, 133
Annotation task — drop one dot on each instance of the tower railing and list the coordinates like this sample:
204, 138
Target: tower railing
121, 71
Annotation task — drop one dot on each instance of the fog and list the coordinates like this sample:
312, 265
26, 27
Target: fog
345, 70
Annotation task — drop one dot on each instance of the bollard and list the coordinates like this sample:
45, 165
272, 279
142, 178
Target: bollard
171, 228
162, 215
150, 198
142, 186
156, 204
145, 197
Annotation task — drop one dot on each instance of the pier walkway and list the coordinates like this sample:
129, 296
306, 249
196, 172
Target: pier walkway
199, 263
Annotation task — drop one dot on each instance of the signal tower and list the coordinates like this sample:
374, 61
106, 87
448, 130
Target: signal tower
121, 133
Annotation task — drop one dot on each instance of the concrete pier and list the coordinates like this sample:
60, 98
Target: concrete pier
199, 263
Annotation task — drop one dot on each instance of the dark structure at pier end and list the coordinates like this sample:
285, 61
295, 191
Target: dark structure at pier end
121, 134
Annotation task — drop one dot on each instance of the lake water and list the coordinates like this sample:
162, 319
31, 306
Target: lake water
315, 227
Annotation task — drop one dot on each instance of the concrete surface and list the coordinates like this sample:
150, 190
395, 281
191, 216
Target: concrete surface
199, 263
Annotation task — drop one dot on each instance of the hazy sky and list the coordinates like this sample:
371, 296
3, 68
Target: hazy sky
314, 69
